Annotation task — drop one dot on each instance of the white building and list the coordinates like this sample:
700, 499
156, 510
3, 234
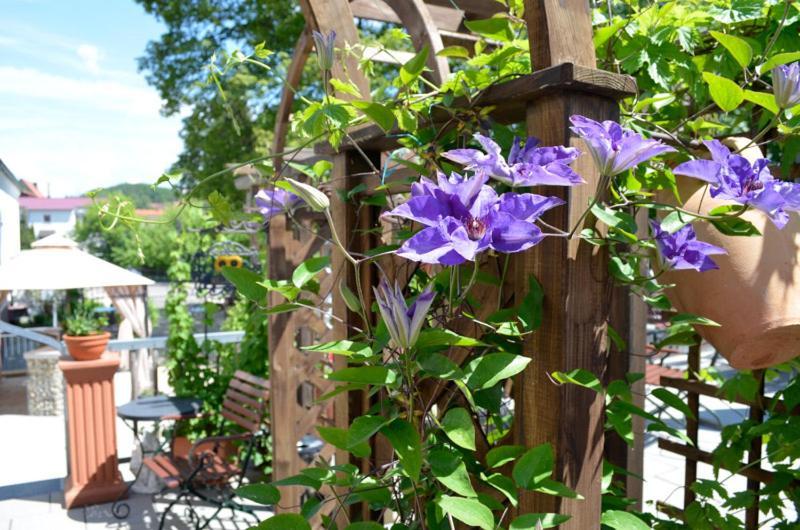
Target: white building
49, 216
10, 191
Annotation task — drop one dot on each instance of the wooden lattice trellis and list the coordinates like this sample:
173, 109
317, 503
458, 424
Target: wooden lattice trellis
580, 298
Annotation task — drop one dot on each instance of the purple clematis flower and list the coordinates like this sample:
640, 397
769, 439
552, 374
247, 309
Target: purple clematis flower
682, 250
463, 217
403, 322
275, 201
526, 166
733, 177
786, 85
613, 148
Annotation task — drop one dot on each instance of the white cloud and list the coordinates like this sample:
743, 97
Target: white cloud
90, 55
100, 94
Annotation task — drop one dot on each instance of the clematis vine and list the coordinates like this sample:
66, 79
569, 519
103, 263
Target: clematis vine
613, 148
682, 250
275, 201
786, 85
463, 217
403, 322
733, 177
527, 165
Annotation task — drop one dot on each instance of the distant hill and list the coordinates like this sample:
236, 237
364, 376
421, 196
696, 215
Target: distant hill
142, 195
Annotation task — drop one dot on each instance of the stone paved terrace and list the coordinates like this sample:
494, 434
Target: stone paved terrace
33, 463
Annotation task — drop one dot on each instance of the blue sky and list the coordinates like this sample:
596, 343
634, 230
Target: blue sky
74, 112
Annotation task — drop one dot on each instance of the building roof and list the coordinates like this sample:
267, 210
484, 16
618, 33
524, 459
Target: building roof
30, 189
5, 172
46, 203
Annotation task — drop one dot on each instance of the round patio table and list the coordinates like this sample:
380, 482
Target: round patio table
155, 409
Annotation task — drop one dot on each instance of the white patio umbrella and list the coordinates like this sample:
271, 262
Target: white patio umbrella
56, 263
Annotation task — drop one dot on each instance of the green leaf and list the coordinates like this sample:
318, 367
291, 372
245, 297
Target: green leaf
675, 221
282, 287
725, 93
580, 377
246, 282
530, 311
345, 87
620, 520
777, 60
265, 494
406, 443
371, 375
487, 370
299, 480
308, 269
504, 485
469, 511
688, 318
363, 428
620, 220
220, 207
457, 425
377, 113
453, 51
364, 525
339, 438
349, 297
501, 455
762, 99
433, 337
735, 226
449, 469
529, 521
495, 28
412, 69
736, 46
406, 120
439, 366
670, 399
534, 466
284, 521
553, 487
348, 348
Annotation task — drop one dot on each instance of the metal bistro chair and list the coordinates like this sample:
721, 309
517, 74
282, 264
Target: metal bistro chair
205, 472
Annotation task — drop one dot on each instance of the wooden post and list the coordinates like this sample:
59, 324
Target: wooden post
574, 277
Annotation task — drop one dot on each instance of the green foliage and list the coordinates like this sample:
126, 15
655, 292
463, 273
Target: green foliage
83, 319
141, 195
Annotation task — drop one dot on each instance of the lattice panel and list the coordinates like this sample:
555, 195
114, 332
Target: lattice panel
297, 375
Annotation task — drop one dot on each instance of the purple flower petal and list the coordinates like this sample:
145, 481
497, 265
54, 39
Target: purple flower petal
706, 170
613, 148
424, 209
526, 206
682, 250
512, 235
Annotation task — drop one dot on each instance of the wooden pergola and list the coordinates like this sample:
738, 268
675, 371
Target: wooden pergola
580, 299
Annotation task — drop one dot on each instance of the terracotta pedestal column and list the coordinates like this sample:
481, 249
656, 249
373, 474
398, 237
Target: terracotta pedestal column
92, 439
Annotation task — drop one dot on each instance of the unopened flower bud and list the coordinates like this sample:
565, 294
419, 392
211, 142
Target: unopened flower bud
324, 44
316, 199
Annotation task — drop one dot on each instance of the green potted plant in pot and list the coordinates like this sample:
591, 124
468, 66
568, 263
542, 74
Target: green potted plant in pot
83, 332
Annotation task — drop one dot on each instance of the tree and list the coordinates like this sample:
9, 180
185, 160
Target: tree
173, 64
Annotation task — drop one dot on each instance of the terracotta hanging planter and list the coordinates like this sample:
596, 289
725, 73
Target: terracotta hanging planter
755, 293
87, 347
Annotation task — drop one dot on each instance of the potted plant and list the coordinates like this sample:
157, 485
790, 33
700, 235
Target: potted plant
83, 333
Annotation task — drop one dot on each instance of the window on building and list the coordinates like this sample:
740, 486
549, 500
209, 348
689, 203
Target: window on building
46, 218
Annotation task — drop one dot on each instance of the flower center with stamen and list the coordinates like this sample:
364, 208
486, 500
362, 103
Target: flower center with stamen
752, 185
476, 228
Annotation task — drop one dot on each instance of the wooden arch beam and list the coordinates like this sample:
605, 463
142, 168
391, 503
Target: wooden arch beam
419, 23
335, 15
